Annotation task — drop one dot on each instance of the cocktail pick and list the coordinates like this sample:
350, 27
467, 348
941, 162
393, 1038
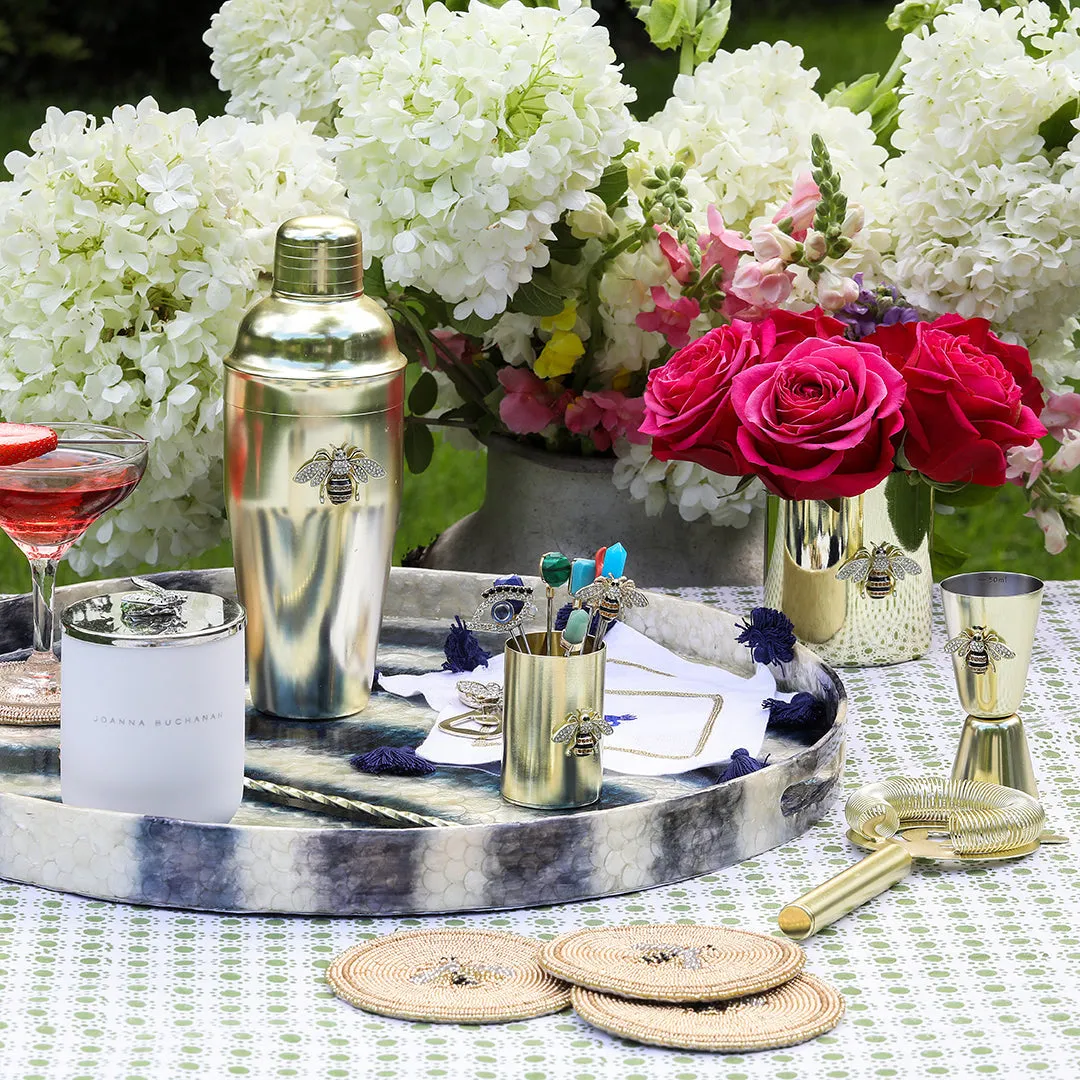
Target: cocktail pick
573, 635
608, 596
582, 573
614, 561
555, 569
598, 560
503, 609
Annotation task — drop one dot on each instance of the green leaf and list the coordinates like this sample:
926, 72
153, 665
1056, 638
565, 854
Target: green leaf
945, 559
613, 185
537, 297
858, 96
374, 282
473, 325
419, 447
710, 30
1057, 131
566, 247
423, 395
967, 495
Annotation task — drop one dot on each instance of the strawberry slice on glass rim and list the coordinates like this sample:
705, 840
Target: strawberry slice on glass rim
21, 442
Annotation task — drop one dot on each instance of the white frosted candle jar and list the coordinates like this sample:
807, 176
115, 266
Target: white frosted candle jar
152, 704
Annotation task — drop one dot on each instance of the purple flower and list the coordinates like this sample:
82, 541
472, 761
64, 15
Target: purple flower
463, 651
880, 306
769, 635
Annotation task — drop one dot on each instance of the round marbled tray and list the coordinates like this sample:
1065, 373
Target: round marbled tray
645, 831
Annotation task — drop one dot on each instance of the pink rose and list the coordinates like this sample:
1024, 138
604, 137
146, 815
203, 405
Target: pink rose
529, 405
801, 207
780, 331
671, 316
820, 423
687, 400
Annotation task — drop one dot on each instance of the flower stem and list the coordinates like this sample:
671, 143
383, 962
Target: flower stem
686, 55
44, 575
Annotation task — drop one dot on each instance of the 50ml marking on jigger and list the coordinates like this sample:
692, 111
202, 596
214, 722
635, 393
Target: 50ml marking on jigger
339, 472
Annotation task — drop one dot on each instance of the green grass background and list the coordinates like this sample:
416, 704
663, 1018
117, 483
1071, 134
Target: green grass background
995, 534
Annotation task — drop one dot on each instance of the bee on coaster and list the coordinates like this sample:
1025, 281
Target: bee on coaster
339, 472
662, 953
878, 569
454, 972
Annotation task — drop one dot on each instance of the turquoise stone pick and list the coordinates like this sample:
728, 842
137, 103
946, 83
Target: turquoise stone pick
577, 626
582, 573
555, 569
614, 561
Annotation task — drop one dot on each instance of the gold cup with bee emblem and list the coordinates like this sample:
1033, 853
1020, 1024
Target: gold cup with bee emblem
553, 726
990, 622
853, 574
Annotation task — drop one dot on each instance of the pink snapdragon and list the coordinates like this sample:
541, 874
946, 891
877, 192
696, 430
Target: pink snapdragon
1024, 461
762, 285
606, 415
801, 207
529, 404
721, 246
1055, 535
671, 316
1061, 414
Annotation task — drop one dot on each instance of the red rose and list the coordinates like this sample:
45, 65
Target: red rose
687, 408
819, 424
781, 331
970, 397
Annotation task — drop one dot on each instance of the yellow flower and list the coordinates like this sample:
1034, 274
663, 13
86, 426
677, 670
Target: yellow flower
621, 379
563, 321
559, 355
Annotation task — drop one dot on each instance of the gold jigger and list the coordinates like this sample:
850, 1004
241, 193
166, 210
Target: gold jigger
990, 618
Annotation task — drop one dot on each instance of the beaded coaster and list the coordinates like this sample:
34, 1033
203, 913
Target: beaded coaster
673, 961
799, 1010
39, 713
448, 977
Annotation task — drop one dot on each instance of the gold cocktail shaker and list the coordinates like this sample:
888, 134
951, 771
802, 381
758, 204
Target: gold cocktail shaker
314, 415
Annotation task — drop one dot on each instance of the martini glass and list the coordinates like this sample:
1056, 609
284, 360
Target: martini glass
46, 504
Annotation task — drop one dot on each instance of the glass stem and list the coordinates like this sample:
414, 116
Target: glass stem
44, 572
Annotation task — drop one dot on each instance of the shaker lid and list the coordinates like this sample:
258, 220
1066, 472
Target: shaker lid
153, 616
319, 256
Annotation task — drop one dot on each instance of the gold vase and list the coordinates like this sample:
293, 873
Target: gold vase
853, 574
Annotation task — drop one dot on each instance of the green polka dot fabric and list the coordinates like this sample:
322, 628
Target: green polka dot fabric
955, 973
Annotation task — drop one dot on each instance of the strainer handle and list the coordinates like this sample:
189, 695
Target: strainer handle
842, 894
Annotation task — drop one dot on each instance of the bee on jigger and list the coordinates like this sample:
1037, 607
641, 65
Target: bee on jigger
583, 731
979, 646
339, 472
878, 570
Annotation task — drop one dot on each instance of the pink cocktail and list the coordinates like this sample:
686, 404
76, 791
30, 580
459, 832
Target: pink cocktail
46, 504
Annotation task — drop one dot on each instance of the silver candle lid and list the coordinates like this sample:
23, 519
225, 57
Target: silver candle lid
153, 616
318, 256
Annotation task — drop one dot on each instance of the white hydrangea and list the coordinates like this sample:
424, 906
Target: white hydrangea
696, 491
985, 215
278, 54
129, 250
742, 125
465, 136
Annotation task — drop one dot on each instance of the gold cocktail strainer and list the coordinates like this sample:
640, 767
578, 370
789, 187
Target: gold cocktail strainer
902, 819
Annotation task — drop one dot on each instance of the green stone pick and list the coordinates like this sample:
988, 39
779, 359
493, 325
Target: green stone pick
555, 569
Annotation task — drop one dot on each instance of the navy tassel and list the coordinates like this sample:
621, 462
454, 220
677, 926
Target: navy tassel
803, 710
769, 635
462, 649
615, 721
392, 761
742, 764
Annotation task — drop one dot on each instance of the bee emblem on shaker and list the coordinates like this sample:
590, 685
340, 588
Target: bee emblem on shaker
339, 472
979, 647
878, 569
582, 732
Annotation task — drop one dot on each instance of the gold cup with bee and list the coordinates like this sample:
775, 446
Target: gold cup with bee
990, 621
553, 726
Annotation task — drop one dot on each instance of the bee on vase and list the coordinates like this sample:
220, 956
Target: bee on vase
339, 472
979, 647
878, 569
582, 732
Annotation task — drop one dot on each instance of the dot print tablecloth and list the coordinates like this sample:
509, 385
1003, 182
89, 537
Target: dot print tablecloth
960, 974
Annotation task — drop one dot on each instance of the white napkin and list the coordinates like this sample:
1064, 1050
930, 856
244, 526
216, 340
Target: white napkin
686, 715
